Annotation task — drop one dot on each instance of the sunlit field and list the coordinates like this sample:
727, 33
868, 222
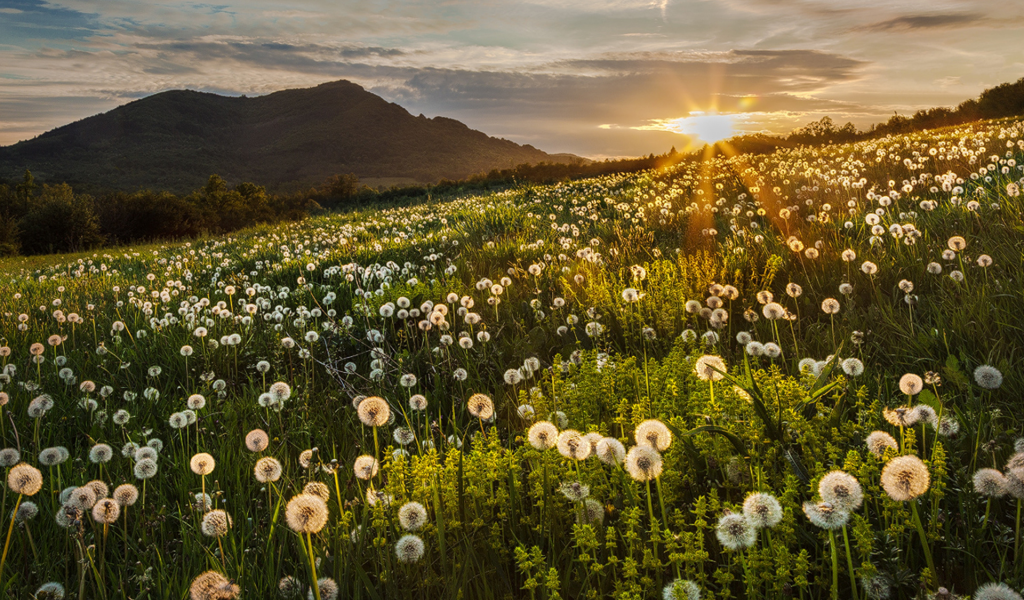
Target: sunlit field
793, 375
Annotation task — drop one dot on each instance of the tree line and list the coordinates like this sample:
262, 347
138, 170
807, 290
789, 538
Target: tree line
54, 218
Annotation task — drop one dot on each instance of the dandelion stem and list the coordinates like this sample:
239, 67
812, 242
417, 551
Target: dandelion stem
924, 543
835, 564
312, 562
9, 531
849, 564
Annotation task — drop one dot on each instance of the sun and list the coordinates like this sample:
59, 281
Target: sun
709, 128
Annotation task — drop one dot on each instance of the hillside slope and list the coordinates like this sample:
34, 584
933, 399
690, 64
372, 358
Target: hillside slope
174, 140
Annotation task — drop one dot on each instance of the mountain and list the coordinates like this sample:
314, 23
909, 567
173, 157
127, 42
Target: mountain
174, 140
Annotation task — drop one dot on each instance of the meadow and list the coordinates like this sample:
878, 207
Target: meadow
789, 375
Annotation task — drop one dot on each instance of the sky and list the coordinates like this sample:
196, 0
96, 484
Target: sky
597, 78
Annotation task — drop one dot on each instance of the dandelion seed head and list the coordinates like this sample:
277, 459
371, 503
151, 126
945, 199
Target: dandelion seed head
710, 368
126, 494
734, 532
571, 444
267, 469
653, 433
610, 451
25, 479
318, 489
905, 478
365, 467
842, 490
216, 523
995, 591
257, 440
202, 464
643, 463
574, 490
211, 585
542, 435
374, 411
762, 510
824, 515
412, 516
409, 548
306, 514
681, 589
328, 589
988, 377
480, 406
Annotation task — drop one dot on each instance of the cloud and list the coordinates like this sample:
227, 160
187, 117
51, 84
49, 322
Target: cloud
940, 21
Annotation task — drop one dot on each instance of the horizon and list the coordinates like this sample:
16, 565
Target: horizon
610, 79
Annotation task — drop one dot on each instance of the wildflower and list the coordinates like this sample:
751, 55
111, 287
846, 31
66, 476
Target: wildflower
480, 406
403, 436
412, 516
146, 452
927, 414
842, 490
956, 243
542, 435
306, 514
735, 533
901, 416
572, 445
320, 490
574, 490
49, 457
418, 402
211, 585
328, 589
99, 489
267, 469
948, 427
631, 295
762, 510
202, 464
681, 589
905, 478
653, 433
877, 587
145, 468
592, 512
126, 494
196, 401
824, 515
988, 377
50, 591
990, 482
257, 440
643, 463
710, 368
409, 548
610, 451
281, 391
24, 479
853, 367
366, 467
216, 523
830, 306
289, 587
374, 411
100, 453
995, 591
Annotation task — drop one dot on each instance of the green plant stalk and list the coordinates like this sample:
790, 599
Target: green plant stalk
924, 542
849, 564
10, 530
835, 564
312, 565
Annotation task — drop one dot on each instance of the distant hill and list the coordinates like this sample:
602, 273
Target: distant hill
174, 140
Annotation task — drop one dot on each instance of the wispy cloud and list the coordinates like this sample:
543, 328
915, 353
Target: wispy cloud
563, 75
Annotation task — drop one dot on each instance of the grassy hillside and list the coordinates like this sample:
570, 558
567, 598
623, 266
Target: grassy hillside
175, 140
441, 395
